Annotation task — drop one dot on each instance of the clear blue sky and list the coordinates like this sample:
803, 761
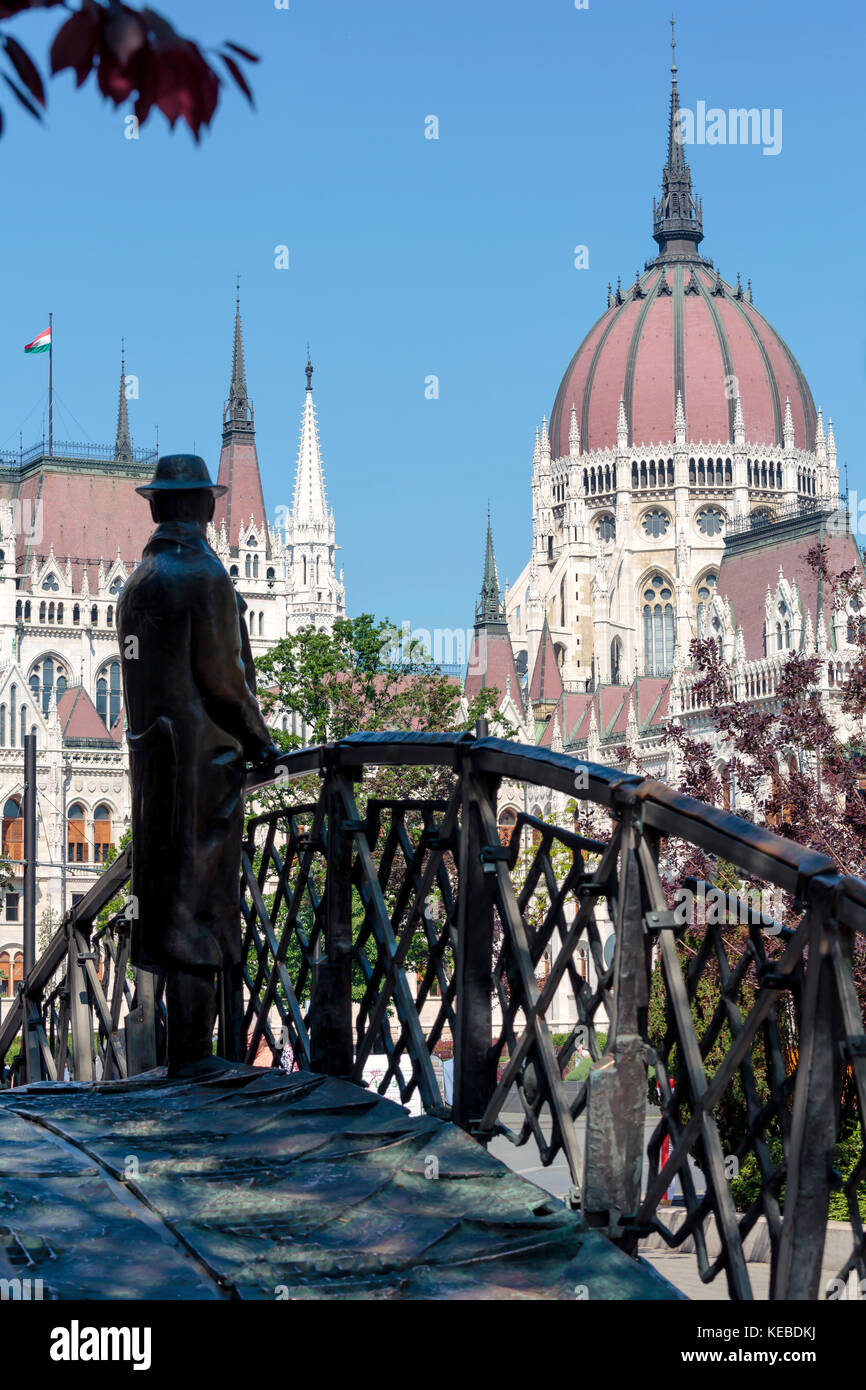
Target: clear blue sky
412, 257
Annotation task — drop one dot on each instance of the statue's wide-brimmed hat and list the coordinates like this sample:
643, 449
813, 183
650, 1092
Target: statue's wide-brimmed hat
181, 473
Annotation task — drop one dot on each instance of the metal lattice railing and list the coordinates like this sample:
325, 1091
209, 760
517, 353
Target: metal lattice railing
377, 924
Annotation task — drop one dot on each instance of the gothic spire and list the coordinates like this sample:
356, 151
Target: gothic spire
122, 440
309, 506
238, 413
489, 611
677, 216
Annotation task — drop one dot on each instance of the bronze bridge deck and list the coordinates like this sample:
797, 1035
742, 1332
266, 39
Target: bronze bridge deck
261, 1185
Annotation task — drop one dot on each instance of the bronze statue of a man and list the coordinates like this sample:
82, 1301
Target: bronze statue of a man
191, 721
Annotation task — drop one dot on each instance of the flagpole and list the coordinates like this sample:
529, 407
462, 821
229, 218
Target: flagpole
50, 386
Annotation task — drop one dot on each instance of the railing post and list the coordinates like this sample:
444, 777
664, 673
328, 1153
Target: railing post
331, 1049
80, 1013
32, 1054
474, 1061
617, 1084
796, 1272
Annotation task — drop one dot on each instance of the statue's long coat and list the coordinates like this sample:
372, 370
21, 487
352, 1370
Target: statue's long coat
191, 720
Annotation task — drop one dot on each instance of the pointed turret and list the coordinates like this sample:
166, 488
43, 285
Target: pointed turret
621, 427
545, 685
491, 657
239, 408
679, 420
122, 440
545, 443
310, 528
309, 505
739, 423
239, 464
831, 444
489, 611
820, 441
677, 216
573, 435
788, 427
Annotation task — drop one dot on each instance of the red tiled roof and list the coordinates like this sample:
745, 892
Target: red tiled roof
745, 575
78, 715
491, 663
239, 472
546, 682
632, 353
84, 515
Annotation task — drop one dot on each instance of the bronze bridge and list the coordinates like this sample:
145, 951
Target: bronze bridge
342, 909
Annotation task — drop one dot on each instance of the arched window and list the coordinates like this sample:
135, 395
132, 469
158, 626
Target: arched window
13, 830
101, 834
42, 612
94, 616
248, 567
305, 571
658, 626
60, 612
234, 572
108, 694
76, 613
2, 726
18, 962
605, 528
27, 611
616, 661
109, 617
19, 611
271, 573
255, 567
507, 822
5, 975
706, 589
562, 602
261, 624
13, 711
76, 844
51, 612
43, 678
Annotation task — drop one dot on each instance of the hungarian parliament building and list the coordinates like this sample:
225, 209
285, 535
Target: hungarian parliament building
72, 529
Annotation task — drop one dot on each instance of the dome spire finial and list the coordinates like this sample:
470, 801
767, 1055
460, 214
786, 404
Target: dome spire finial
677, 216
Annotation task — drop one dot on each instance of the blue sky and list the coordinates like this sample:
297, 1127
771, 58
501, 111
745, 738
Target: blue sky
411, 257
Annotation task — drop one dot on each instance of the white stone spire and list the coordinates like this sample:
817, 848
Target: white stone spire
317, 596
820, 441
573, 435
788, 429
739, 424
309, 505
680, 420
621, 427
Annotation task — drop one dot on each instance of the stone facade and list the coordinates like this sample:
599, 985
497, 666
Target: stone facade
71, 531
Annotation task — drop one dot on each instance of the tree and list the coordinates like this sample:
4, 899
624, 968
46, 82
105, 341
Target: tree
344, 681
134, 53
799, 770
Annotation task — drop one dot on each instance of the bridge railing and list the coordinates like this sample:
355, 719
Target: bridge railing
388, 924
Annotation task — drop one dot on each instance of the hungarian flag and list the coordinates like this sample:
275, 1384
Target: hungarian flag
40, 344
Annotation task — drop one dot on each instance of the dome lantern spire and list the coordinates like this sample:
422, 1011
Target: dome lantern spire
677, 215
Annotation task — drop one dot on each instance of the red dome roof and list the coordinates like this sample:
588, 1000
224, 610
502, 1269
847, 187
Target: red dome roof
681, 328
